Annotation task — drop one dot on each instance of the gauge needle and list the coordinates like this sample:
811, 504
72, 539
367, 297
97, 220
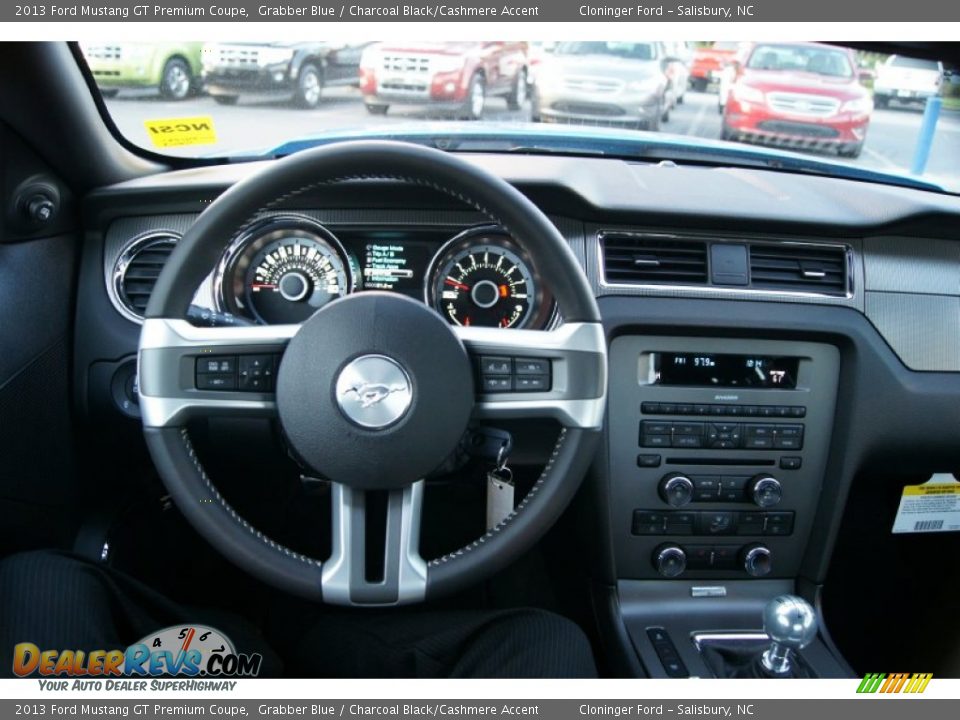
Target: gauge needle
504, 291
457, 285
260, 286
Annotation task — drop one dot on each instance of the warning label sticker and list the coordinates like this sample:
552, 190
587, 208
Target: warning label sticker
180, 132
931, 507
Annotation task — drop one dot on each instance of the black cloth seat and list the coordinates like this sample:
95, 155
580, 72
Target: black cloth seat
58, 601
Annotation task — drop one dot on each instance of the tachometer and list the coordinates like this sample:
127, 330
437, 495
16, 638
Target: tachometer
484, 278
285, 269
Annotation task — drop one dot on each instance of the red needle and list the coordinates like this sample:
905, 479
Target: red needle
457, 285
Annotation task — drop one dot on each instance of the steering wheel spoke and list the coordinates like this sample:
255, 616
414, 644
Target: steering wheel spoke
376, 547
573, 386
187, 371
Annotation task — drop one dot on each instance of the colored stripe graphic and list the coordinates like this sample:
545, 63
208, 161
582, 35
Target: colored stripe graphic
894, 683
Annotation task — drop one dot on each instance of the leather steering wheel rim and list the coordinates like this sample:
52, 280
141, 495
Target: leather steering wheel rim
577, 349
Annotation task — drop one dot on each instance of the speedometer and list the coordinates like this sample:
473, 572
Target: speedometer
483, 278
285, 269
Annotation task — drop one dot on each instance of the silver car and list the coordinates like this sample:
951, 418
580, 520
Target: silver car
620, 84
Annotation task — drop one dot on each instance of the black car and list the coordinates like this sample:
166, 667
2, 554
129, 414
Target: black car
290, 70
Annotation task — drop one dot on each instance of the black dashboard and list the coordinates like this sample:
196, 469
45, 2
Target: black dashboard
812, 304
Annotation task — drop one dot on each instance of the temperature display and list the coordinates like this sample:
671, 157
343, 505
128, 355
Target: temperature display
715, 370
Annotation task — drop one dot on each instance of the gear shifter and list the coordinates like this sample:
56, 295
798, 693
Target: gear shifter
791, 624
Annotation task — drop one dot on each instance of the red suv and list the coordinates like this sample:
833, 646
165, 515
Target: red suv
709, 62
802, 95
452, 77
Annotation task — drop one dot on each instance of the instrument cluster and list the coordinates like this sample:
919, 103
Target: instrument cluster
284, 268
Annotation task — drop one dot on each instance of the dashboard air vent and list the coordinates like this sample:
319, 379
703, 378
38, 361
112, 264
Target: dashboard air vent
653, 260
799, 268
137, 269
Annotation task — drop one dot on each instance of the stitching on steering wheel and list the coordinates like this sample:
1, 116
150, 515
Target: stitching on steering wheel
233, 513
503, 524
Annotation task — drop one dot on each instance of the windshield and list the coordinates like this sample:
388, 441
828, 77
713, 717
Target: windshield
794, 106
787, 58
633, 51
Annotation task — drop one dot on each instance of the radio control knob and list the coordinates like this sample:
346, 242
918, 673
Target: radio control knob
765, 490
757, 560
676, 489
670, 560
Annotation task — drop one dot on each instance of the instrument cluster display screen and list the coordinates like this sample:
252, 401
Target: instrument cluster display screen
721, 370
397, 265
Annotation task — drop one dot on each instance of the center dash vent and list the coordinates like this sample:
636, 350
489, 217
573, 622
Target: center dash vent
648, 259
799, 268
137, 269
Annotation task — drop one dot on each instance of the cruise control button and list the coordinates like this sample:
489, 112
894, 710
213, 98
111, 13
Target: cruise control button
217, 364
216, 382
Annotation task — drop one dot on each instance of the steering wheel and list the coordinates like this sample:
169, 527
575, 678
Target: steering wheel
388, 441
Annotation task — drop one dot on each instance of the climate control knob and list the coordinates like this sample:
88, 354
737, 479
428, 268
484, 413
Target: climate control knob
757, 560
676, 489
765, 490
670, 560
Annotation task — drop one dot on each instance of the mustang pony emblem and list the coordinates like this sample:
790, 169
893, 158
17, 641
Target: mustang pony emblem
371, 393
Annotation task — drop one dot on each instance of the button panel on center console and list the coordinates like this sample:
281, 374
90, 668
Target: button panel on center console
684, 434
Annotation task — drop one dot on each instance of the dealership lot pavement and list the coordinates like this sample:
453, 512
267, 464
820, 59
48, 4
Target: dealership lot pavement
250, 125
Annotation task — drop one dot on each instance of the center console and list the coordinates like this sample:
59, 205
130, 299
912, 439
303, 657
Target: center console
717, 454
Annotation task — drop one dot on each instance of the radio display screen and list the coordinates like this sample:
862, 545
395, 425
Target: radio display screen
716, 370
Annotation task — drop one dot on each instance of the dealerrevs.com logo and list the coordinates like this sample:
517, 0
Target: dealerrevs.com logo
191, 651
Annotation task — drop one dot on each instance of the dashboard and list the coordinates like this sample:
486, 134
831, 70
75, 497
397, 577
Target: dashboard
759, 329
283, 267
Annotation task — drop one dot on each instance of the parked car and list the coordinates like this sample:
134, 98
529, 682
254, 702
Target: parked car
708, 63
677, 68
173, 68
907, 80
619, 84
804, 95
455, 77
291, 70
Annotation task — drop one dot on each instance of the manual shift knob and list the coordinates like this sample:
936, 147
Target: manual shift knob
791, 624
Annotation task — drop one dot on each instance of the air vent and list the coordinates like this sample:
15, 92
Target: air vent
137, 269
646, 259
799, 268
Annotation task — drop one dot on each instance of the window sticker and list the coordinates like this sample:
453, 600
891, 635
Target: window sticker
180, 132
933, 506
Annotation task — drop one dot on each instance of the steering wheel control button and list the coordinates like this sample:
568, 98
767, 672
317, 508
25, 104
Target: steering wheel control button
496, 365
216, 372
374, 391
507, 374
532, 366
256, 373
